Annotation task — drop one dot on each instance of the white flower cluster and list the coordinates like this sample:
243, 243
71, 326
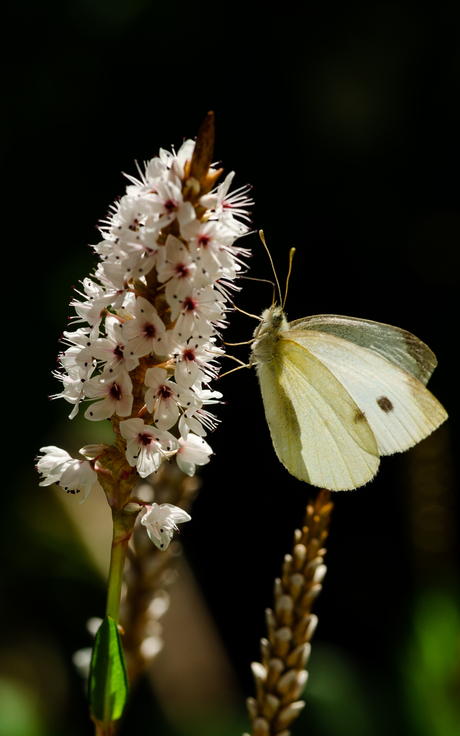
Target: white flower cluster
154, 309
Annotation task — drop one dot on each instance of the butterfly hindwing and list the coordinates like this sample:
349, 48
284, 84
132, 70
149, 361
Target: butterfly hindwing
318, 430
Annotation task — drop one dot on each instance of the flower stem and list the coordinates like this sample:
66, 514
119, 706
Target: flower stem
120, 541
117, 563
108, 686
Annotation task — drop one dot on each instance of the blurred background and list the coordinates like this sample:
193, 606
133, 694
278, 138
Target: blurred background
344, 117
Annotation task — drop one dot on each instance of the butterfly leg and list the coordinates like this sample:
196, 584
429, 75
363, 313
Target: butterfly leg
241, 365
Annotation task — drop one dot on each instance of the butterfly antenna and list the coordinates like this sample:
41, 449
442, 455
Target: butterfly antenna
291, 258
263, 281
262, 237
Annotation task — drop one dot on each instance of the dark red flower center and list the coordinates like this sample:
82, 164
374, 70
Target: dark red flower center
145, 439
189, 304
170, 205
189, 354
164, 392
115, 392
149, 330
182, 270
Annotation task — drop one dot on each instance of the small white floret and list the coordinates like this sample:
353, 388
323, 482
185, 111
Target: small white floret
161, 522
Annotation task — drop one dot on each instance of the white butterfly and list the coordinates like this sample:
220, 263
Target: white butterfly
339, 392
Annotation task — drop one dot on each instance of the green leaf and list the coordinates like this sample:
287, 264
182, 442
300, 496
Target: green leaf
108, 680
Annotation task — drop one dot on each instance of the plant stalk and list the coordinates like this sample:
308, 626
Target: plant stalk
117, 564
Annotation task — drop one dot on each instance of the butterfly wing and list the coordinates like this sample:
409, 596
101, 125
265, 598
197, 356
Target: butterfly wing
396, 345
397, 406
317, 429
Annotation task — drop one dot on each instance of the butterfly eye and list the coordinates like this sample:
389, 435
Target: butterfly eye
276, 318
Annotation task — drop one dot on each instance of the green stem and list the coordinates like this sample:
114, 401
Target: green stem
123, 524
120, 543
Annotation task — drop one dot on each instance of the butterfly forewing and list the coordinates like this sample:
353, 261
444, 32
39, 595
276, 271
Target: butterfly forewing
318, 431
396, 345
397, 406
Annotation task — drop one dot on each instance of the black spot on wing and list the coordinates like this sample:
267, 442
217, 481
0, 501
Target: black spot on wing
359, 416
385, 404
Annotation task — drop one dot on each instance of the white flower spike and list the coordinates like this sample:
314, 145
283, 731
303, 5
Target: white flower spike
145, 341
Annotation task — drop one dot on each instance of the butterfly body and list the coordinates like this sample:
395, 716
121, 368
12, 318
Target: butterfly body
339, 392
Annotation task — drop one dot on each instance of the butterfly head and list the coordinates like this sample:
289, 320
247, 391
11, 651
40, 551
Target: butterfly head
273, 321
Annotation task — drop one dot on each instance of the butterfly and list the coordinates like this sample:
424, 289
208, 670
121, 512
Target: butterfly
340, 392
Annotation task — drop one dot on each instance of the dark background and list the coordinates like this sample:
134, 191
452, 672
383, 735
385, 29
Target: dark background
344, 117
